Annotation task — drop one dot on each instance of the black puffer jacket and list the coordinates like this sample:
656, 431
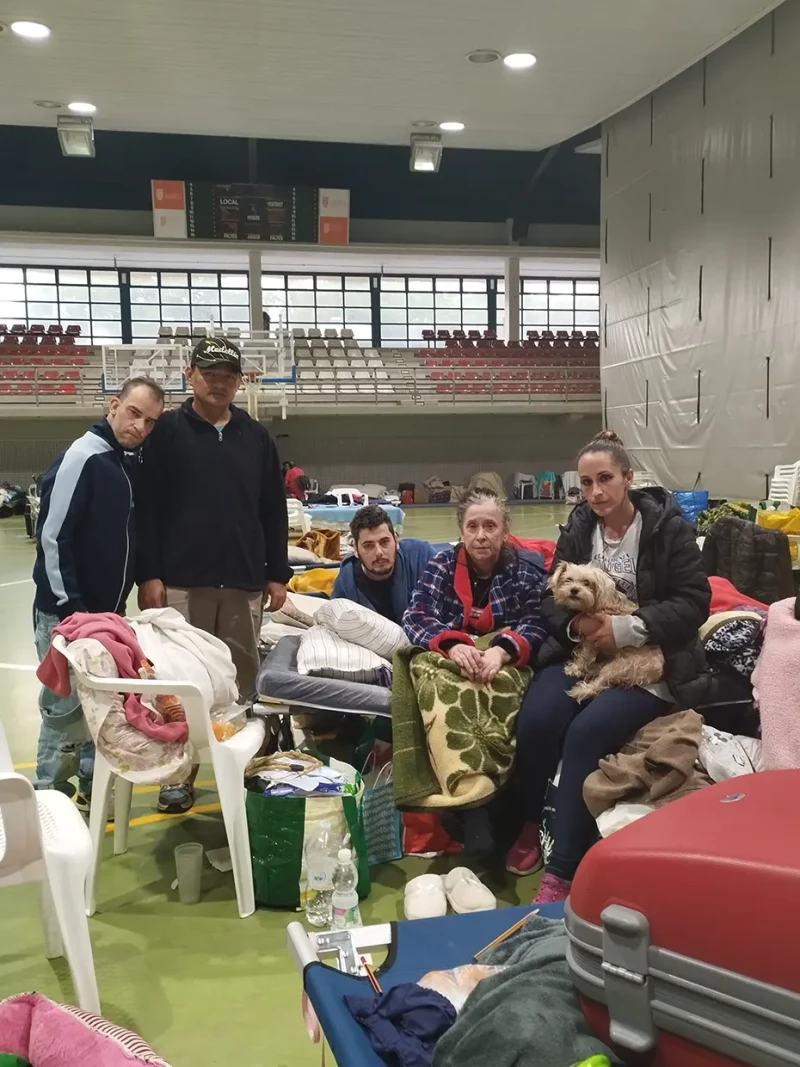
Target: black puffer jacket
674, 594
755, 560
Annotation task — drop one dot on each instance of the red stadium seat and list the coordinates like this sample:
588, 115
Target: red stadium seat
73, 331
55, 329
19, 329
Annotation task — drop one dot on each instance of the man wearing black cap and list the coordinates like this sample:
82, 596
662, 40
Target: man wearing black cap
212, 519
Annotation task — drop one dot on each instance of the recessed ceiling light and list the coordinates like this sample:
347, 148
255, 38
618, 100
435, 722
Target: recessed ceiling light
520, 60
483, 55
82, 108
53, 104
423, 124
451, 127
30, 29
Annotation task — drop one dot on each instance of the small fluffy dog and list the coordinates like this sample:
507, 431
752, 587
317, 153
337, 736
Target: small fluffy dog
587, 590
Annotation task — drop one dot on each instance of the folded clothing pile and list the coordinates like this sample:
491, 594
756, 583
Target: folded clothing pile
295, 774
351, 643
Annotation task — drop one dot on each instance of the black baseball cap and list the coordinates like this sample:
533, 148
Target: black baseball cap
216, 352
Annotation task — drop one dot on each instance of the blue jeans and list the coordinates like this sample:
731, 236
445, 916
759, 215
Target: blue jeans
552, 726
65, 745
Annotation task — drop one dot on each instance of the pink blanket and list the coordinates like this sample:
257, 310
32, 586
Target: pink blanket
56, 1035
776, 686
118, 638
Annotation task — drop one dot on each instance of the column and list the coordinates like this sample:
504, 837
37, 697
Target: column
511, 328
256, 299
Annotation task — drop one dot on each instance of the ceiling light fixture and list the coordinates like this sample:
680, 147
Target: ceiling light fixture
54, 105
520, 60
76, 136
32, 30
483, 55
451, 127
426, 152
82, 108
424, 124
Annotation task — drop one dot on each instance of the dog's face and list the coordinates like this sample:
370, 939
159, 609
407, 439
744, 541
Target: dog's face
581, 587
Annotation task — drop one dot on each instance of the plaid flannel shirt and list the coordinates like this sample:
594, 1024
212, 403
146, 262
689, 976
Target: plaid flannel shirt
437, 614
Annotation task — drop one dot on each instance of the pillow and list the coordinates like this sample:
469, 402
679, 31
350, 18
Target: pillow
298, 611
303, 555
324, 655
360, 626
54, 1034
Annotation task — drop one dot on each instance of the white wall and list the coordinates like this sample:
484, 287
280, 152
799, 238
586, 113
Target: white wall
700, 243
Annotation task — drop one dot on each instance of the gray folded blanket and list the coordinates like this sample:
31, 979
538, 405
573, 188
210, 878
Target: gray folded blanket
526, 1016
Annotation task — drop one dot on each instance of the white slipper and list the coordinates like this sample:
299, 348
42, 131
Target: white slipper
424, 897
466, 892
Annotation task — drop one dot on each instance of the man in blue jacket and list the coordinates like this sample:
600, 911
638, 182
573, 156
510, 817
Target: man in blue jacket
85, 554
384, 572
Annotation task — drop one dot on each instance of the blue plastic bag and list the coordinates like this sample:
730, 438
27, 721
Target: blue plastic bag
692, 502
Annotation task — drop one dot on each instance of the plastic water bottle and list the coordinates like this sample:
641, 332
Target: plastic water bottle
345, 898
321, 853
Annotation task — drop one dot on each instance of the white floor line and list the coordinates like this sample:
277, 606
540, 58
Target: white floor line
17, 667
22, 581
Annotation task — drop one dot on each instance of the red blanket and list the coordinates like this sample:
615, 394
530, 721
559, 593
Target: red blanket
536, 544
725, 597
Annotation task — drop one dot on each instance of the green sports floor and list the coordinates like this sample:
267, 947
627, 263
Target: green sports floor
204, 987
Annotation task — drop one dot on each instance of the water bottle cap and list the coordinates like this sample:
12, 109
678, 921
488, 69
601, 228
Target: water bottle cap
344, 855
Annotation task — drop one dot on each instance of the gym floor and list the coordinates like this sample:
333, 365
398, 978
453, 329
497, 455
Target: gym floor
200, 984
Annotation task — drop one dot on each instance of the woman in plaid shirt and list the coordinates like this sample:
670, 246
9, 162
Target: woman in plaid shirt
481, 586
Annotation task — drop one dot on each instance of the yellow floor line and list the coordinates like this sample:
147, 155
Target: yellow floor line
158, 816
155, 788
23, 766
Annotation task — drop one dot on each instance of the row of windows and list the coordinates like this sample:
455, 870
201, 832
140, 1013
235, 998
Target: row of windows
396, 308
87, 298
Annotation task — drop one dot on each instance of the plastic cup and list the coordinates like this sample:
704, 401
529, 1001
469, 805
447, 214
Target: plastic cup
189, 868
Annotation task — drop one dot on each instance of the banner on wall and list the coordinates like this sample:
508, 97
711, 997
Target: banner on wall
169, 209
241, 212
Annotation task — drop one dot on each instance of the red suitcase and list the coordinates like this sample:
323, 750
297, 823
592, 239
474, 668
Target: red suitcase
684, 929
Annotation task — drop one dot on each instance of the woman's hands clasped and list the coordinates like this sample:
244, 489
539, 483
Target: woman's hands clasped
480, 667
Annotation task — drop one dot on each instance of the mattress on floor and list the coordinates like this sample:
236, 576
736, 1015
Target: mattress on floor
338, 517
279, 680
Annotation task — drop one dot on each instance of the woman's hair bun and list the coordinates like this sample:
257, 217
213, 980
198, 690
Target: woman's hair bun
610, 437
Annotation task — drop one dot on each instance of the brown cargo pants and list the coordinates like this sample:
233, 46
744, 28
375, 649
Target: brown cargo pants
232, 615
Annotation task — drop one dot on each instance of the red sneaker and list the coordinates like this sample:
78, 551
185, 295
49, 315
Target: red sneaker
552, 889
525, 855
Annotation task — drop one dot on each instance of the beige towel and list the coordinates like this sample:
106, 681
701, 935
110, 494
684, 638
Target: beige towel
656, 766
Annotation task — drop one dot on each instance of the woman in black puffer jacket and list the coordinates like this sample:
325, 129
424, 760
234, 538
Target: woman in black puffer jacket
642, 541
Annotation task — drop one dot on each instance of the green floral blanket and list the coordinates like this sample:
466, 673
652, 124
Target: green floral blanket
453, 739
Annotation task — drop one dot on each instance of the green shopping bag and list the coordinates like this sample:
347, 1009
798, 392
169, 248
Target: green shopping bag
279, 828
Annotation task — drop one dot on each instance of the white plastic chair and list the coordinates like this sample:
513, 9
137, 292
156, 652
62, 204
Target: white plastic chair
44, 839
785, 485
298, 519
228, 760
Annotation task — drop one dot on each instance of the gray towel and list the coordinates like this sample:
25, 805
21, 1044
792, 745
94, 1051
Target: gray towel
526, 1016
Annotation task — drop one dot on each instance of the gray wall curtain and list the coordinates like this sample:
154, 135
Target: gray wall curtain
700, 251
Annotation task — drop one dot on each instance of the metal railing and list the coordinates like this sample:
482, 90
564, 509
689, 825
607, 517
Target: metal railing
419, 386
391, 384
